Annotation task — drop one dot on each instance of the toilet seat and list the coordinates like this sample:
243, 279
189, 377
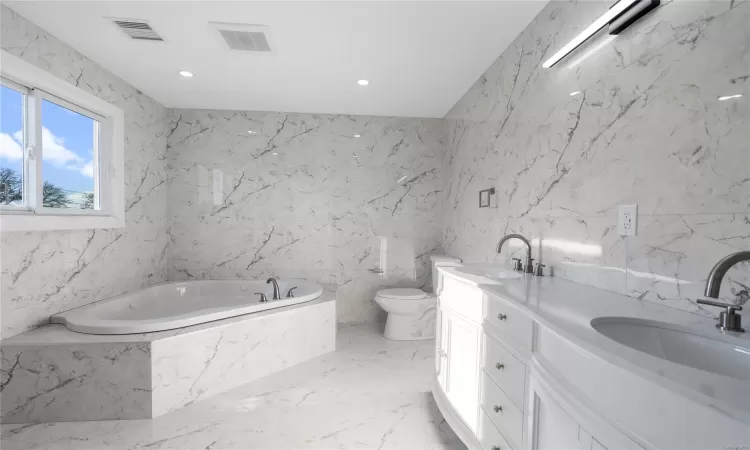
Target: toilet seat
402, 294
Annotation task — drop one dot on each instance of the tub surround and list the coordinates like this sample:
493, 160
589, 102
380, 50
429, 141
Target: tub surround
54, 374
307, 198
633, 120
567, 347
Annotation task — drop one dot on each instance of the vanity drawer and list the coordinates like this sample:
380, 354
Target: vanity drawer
506, 416
489, 437
507, 370
515, 325
462, 298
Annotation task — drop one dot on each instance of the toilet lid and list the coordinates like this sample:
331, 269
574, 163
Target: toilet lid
403, 293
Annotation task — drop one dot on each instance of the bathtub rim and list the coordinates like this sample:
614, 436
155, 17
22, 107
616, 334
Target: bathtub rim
58, 334
77, 321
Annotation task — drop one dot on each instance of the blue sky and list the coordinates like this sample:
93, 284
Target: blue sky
68, 141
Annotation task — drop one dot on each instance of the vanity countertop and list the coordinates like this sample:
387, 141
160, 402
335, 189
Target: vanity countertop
567, 308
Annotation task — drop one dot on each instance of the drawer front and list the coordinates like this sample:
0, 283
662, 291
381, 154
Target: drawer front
506, 416
511, 322
462, 298
507, 370
489, 437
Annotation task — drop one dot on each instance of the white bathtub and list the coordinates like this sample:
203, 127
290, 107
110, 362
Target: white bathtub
173, 305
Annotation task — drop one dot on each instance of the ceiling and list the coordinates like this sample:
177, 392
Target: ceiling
420, 57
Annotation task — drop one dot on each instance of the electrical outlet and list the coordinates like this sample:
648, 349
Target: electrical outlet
627, 220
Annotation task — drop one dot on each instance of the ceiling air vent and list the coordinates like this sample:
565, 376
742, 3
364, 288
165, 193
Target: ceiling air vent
137, 29
244, 37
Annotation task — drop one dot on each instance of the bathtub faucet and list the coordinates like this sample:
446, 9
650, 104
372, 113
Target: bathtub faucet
276, 292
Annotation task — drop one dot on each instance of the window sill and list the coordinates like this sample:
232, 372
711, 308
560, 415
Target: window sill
50, 222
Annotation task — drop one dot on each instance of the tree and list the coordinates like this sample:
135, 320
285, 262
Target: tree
53, 196
88, 200
10, 186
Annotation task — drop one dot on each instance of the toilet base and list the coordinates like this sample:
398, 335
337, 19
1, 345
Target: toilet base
400, 327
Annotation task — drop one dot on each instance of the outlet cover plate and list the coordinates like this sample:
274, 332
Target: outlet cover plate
627, 220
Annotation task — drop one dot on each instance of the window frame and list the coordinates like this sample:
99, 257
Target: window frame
110, 182
24, 208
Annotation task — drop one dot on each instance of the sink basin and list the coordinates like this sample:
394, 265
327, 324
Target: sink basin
721, 355
488, 271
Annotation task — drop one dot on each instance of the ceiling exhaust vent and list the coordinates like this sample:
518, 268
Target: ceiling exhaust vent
137, 29
244, 37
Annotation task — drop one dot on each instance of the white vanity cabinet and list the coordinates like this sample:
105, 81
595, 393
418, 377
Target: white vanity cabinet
460, 380
491, 390
458, 347
480, 377
559, 422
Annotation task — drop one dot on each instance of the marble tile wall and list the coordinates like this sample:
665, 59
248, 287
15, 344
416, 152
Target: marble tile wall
337, 199
52, 374
43, 273
631, 120
225, 357
75, 381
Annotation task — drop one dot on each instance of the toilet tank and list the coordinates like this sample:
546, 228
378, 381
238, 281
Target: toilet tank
441, 261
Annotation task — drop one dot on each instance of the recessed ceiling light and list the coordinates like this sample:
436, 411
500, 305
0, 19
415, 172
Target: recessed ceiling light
575, 93
363, 82
251, 131
274, 153
186, 74
729, 97
357, 135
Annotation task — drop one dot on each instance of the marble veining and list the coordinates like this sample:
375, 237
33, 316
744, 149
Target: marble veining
349, 200
53, 374
370, 393
631, 120
52, 271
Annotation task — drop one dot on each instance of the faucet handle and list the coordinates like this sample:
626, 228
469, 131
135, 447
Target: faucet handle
517, 266
539, 269
730, 308
529, 268
728, 320
290, 294
263, 297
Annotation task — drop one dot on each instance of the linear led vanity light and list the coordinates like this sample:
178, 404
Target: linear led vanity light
622, 8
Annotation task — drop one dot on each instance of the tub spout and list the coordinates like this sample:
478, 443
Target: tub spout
276, 291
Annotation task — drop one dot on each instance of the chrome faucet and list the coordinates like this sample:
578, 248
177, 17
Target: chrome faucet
276, 291
528, 267
728, 320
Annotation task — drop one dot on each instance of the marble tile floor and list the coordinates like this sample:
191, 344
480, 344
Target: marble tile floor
370, 393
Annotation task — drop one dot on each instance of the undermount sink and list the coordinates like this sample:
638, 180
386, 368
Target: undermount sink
493, 272
679, 345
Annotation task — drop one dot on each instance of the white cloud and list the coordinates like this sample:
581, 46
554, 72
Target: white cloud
88, 169
10, 148
54, 150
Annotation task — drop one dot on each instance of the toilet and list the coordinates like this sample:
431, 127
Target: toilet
412, 312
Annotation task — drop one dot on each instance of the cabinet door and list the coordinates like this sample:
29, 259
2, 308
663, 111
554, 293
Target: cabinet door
553, 428
462, 381
441, 345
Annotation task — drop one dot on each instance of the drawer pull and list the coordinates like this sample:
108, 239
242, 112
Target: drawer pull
495, 447
497, 408
499, 366
502, 316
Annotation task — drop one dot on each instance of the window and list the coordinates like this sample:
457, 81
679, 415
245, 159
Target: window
60, 153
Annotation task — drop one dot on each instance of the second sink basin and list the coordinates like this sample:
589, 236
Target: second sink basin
679, 345
493, 272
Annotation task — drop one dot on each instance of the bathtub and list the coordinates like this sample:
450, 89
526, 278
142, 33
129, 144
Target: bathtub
180, 304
